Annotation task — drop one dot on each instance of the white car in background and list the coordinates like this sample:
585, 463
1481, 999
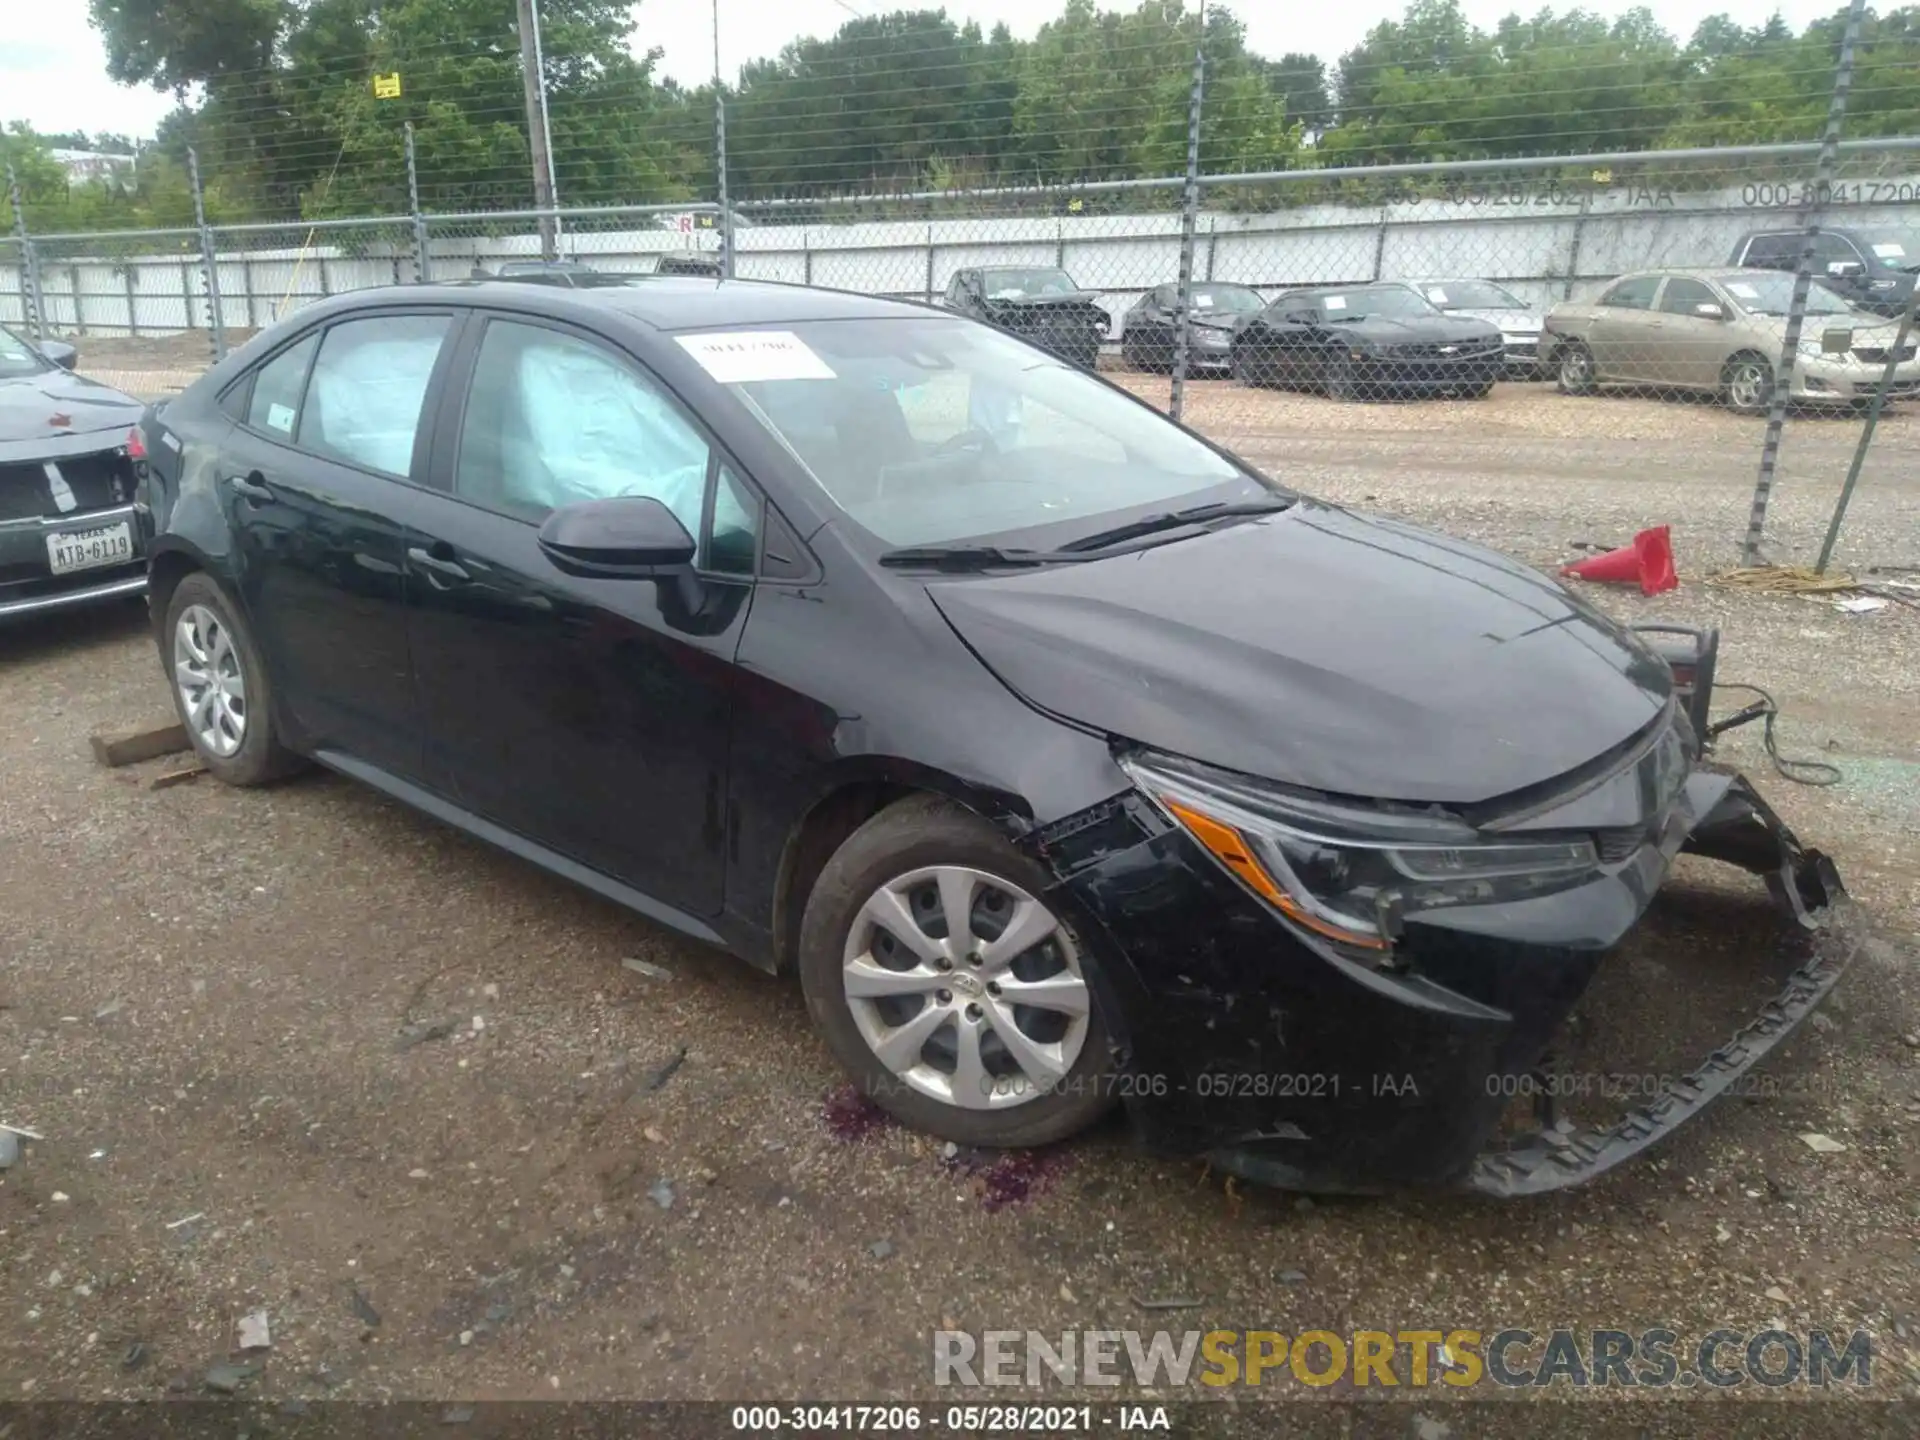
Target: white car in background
1520, 324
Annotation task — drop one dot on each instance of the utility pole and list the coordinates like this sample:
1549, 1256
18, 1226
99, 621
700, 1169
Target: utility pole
534, 81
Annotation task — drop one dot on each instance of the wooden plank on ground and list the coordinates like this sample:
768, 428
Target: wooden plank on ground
129, 747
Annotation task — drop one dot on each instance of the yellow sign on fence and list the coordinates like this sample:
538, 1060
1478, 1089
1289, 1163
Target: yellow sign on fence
387, 87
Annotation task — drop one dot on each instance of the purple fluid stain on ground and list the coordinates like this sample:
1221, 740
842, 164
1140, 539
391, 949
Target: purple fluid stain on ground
851, 1116
1007, 1177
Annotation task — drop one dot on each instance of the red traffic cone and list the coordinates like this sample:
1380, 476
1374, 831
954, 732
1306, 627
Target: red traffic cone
1647, 561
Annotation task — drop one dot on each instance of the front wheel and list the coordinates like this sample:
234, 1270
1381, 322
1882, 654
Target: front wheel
1340, 382
957, 999
1747, 385
1240, 365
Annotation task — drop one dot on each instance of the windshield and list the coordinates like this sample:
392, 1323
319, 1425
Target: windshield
1395, 302
1899, 249
1018, 284
1770, 292
1471, 295
19, 358
1232, 299
930, 431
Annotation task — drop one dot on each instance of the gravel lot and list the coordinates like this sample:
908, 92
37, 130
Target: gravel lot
205, 994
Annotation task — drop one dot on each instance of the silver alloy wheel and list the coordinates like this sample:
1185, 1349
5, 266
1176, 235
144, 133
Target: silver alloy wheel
213, 688
1747, 386
984, 1012
1575, 370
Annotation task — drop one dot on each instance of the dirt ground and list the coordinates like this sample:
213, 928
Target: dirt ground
592, 1182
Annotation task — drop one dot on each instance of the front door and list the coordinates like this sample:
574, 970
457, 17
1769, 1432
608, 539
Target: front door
589, 715
1693, 347
310, 480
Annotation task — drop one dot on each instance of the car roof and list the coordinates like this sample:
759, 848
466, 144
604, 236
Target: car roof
661, 303
1330, 288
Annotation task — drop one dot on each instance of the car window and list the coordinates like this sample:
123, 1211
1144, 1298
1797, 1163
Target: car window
1634, 294
275, 406
1829, 248
1682, 296
926, 430
1773, 251
369, 382
18, 358
733, 538
552, 419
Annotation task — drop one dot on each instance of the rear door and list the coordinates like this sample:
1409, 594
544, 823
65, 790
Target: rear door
589, 715
1625, 332
314, 479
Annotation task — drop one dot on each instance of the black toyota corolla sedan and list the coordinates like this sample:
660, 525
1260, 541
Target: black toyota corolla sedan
1064, 757
1360, 342
70, 461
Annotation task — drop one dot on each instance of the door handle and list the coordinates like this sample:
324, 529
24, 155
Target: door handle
251, 486
437, 565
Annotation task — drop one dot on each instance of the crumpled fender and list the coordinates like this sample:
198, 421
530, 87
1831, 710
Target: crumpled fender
1737, 826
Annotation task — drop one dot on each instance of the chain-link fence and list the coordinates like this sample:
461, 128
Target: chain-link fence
1175, 217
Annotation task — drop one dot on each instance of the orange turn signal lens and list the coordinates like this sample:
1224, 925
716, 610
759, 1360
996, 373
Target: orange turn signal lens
1230, 848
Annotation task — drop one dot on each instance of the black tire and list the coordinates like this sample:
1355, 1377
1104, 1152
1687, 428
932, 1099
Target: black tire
910, 835
1240, 365
1746, 384
1480, 389
260, 758
1573, 369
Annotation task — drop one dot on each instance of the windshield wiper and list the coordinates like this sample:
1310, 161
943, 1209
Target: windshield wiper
971, 557
1173, 520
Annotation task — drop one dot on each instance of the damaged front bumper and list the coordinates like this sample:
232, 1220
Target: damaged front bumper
1251, 1042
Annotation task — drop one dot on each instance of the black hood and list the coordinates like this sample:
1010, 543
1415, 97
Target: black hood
1419, 329
30, 404
1324, 649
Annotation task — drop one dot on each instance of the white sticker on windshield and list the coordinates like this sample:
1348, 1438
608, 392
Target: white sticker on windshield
1203, 302
735, 357
1742, 289
1891, 250
1437, 295
280, 417
1334, 302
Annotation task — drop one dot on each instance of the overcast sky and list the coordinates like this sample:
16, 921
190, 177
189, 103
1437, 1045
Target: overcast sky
53, 70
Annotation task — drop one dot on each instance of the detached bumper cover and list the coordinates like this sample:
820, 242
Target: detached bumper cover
1741, 830
1249, 1043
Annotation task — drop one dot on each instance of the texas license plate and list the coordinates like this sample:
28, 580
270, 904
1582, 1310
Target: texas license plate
70, 550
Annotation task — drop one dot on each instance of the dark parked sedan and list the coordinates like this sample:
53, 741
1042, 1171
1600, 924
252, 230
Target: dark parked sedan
1037, 303
70, 465
1063, 756
1365, 341
1149, 332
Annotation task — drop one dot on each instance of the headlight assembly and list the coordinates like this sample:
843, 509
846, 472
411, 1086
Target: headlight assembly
1349, 873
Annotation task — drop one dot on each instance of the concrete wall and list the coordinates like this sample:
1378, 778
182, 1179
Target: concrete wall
1544, 247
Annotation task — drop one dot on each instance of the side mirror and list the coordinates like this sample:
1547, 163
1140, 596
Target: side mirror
1710, 310
60, 353
630, 537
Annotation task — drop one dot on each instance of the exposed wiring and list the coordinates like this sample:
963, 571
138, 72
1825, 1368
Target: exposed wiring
1810, 772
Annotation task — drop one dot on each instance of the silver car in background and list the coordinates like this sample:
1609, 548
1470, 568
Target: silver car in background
1520, 324
1722, 331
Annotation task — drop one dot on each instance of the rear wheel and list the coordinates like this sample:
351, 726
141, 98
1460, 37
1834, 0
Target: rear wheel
220, 686
1575, 366
954, 996
1747, 384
